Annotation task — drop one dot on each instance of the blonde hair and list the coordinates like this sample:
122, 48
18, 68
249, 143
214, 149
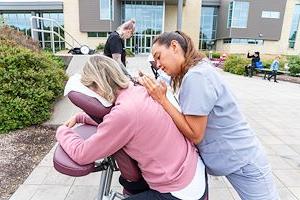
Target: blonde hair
129, 25
104, 75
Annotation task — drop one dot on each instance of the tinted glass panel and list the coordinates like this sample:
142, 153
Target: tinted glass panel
105, 9
208, 27
238, 14
149, 17
294, 27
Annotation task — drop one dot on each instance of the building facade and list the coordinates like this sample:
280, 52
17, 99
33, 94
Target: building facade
84, 20
233, 26
264, 26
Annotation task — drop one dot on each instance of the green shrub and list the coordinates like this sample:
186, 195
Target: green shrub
267, 63
100, 47
58, 60
30, 83
235, 64
294, 65
216, 54
129, 53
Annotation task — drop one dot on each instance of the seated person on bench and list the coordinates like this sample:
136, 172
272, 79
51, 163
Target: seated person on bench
140, 126
254, 59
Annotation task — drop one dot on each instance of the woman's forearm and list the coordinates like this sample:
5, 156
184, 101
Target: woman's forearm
180, 121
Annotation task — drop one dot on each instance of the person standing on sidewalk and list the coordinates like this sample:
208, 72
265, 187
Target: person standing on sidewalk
210, 117
274, 67
114, 46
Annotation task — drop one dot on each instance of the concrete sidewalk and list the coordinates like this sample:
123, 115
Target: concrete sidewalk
272, 109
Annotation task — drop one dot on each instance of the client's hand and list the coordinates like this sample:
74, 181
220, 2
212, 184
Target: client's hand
71, 122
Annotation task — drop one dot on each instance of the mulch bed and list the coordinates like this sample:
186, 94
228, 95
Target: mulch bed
20, 152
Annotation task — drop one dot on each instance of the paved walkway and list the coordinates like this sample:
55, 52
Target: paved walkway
272, 110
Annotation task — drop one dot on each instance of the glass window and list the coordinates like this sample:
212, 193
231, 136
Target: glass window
270, 14
98, 34
106, 9
242, 41
92, 34
230, 10
19, 21
294, 27
149, 15
208, 27
238, 14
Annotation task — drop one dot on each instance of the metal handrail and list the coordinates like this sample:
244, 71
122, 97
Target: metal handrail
52, 32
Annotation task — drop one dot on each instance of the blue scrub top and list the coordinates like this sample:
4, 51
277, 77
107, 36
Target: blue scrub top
228, 142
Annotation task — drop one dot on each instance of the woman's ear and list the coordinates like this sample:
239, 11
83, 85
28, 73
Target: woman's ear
174, 45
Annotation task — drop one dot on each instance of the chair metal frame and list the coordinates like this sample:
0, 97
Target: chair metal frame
105, 193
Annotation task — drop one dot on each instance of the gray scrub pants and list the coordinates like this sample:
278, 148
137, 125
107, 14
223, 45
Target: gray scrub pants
254, 181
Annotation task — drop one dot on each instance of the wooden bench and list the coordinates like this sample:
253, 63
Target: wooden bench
266, 71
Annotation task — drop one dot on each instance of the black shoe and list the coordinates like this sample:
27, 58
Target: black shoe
275, 81
269, 79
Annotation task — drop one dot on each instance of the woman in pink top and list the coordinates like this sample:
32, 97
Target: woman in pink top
168, 161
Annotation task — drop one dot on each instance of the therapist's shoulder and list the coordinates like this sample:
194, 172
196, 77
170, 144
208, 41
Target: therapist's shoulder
202, 68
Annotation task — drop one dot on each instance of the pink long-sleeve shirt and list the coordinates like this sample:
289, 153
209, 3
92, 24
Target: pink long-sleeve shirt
147, 134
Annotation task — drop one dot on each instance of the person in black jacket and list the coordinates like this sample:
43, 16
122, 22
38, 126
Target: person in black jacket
114, 46
250, 68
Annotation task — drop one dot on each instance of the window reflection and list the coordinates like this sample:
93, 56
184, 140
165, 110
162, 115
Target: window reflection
294, 27
21, 22
208, 27
106, 9
149, 16
238, 14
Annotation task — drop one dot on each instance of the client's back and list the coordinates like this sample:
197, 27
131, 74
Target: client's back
166, 158
140, 126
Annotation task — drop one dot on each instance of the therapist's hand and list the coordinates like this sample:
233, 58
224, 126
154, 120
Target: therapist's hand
71, 122
156, 90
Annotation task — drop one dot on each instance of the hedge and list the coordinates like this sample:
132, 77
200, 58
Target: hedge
30, 83
235, 64
294, 65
